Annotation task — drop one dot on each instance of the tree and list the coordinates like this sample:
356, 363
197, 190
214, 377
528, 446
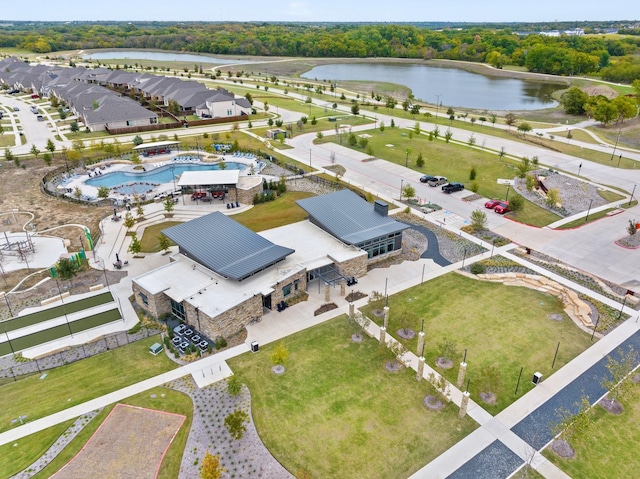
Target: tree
77, 192
234, 385
516, 202
627, 107
279, 355
632, 228
169, 205
129, 221
573, 101
572, 425
408, 191
472, 173
137, 140
353, 141
605, 112
478, 220
135, 246
510, 119
164, 242
234, 422
74, 127
34, 151
355, 109
553, 197
66, 268
523, 167
135, 158
448, 135
436, 131
420, 161
524, 128
103, 192
211, 467
47, 159
173, 107
493, 118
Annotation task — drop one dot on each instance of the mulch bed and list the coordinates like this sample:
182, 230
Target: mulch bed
406, 333
444, 363
562, 448
355, 296
324, 308
611, 406
488, 397
433, 403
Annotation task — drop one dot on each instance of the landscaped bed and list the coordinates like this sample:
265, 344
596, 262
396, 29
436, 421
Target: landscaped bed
339, 413
503, 328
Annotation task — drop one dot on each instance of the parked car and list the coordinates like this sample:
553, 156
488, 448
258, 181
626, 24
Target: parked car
452, 187
502, 208
491, 204
34, 110
180, 328
437, 181
426, 178
40, 118
15, 108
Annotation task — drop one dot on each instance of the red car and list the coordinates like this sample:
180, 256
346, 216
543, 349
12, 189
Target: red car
491, 204
502, 208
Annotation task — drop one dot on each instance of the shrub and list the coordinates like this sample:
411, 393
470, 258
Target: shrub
516, 203
477, 268
472, 173
474, 187
220, 342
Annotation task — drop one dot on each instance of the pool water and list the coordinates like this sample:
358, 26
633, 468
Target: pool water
158, 176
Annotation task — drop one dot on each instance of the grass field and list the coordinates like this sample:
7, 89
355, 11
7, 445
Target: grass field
280, 212
149, 241
81, 381
14, 459
339, 413
322, 125
610, 449
453, 161
502, 327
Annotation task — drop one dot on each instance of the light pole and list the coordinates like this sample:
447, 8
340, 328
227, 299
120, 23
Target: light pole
588, 211
619, 159
406, 159
631, 199
613, 153
579, 168
507, 197
438, 104
401, 181
309, 157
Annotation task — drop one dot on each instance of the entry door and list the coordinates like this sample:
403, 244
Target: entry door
266, 301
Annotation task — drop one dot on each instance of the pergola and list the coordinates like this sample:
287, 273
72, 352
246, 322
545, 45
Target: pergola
211, 179
156, 148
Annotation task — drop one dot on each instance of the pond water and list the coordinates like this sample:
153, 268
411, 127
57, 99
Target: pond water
161, 175
159, 56
454, 87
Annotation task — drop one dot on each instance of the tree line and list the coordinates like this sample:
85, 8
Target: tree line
562, 55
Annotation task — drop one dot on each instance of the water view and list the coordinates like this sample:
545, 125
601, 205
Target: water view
158, 56
453, 87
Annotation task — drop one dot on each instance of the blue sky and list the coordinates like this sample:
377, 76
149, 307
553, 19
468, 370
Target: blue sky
325, 10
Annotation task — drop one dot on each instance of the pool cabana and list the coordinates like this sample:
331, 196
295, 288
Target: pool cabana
211, 181
156, 148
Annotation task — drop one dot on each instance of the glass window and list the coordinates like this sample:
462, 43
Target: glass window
178, 310
144, 298
286, 290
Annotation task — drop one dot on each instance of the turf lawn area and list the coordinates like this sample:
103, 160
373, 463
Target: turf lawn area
149, 241
610, 450
75, 383
337, 412
504, 327
282, 211
31, 447
453, 161
322, 124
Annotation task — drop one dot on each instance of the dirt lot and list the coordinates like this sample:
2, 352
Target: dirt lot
130, 443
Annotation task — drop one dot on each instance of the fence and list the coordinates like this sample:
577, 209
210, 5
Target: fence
76, 353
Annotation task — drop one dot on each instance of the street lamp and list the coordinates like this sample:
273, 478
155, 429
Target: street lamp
588, 211
507, 197
401, 181
438, 104
631, 199
613, 153
309, 157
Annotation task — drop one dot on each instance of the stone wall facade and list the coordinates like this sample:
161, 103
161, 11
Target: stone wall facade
278, 294
227, 323
157, 304
356, 267
245, 195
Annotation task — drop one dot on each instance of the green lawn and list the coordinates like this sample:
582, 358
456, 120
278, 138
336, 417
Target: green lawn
280, 212
505, 327
610, 451
149, 241
322, 125
75, 383
337, 412
453, 161
14, 459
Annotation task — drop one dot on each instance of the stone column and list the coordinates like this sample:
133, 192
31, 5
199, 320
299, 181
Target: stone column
343, 288
462, 372
383, 332
351, 310
386, 317
420, 343
464, 404
327, 292
420, 373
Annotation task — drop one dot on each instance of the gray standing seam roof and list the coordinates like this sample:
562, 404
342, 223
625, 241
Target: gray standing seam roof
225, 246
348, 217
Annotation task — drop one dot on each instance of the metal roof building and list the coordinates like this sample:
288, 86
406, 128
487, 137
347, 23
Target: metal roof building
225, 246
350, 218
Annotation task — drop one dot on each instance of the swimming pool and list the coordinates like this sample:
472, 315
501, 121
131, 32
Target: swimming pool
158, 176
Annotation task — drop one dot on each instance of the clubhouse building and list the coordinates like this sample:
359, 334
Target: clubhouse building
224, 275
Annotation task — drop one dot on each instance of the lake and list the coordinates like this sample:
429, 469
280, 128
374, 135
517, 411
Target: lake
454, 87
158, 56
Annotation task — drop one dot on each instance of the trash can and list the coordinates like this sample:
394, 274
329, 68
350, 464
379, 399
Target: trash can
537, 377
255, 347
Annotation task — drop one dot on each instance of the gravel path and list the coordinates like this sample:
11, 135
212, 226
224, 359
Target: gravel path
247, 457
